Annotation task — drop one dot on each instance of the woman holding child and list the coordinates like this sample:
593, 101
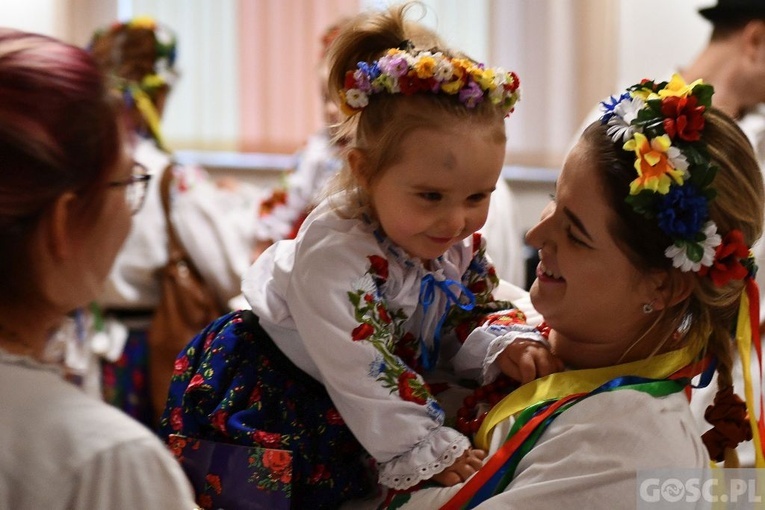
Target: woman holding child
645, 280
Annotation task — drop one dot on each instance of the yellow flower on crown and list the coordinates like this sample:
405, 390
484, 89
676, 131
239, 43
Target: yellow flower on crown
425, 66
143, 22
458, 80
153, 81
484, 78
677, 87
655, 171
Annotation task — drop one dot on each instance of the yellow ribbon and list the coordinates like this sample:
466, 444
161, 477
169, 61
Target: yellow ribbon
560, 384
149, 113
744, 344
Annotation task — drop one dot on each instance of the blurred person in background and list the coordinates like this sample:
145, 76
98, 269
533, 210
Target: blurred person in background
214, 221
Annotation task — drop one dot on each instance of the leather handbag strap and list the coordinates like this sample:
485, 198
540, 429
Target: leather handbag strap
175, 249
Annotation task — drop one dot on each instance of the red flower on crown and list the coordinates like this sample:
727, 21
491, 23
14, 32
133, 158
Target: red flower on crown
683, 117
727, 265
411, 84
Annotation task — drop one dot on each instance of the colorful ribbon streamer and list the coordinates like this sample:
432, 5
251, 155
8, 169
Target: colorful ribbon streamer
747, 329
499, 470
561, 384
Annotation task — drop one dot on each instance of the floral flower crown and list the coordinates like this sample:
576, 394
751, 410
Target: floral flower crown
663, 123
139, 94
165, 52
407, 71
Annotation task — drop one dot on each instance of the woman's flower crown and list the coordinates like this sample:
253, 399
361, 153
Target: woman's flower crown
140, 93
663, 123
165, 52
406, 71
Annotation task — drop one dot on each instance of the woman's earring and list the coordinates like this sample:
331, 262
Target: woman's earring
648, 308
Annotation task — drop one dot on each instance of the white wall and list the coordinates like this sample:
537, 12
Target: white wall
659, 36
454, 20
203, 104
41, 16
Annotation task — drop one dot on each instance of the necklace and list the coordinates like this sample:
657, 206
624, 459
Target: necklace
469, 416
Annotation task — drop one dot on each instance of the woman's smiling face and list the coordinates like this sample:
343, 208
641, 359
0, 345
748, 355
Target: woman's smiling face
586, 288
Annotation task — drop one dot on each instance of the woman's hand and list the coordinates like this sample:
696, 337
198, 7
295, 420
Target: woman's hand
468, 463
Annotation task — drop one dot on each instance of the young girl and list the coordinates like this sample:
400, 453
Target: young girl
384, 277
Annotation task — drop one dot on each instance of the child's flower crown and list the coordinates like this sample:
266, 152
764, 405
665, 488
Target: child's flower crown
407, 71
663, 124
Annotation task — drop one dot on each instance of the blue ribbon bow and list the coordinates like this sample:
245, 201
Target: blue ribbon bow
428, 288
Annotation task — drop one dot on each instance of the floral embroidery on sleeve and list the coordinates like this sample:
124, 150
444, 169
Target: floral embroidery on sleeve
383, 328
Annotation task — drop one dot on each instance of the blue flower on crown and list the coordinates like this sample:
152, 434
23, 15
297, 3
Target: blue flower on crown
682, 212
371, 70
609, 104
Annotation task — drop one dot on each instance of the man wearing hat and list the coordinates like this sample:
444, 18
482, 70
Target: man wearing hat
732, 9
734, 62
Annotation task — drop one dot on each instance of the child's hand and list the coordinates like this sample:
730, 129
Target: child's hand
526, 360
470, 462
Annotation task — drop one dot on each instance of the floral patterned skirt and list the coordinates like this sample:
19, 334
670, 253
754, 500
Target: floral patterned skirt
125, 381
231, 384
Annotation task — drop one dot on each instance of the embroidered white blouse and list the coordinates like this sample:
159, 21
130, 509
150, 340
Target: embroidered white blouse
354, 311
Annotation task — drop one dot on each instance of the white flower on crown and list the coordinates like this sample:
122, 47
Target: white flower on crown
500, 77
678, 161
624, 113
356, 98
679, 254
410, 59
444, 70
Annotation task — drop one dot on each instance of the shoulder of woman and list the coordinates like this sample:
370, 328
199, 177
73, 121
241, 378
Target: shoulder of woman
589, 456
628, 426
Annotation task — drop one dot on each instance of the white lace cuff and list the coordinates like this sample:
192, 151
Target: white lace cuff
436, 453
519, 332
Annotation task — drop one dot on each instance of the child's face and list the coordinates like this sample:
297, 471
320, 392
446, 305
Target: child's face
437, 192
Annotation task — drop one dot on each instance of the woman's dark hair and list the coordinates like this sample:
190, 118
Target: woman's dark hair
59, 131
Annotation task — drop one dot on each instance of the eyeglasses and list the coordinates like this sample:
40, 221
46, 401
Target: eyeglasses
135, 186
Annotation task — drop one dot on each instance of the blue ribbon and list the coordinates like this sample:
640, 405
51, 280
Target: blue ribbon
428, 288
706, 375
